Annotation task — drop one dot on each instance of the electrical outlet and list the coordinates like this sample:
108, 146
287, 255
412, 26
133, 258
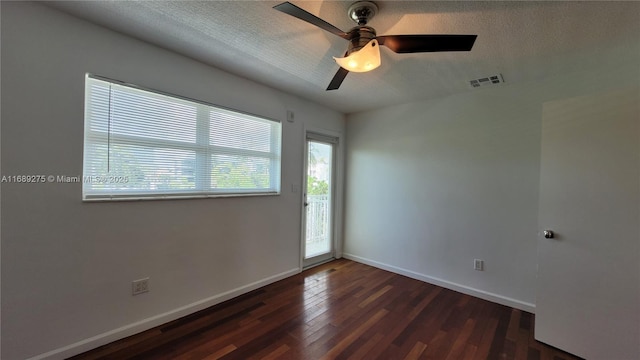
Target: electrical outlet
478, 264
140, 286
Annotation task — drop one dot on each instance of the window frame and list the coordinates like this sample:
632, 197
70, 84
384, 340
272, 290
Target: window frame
203, 152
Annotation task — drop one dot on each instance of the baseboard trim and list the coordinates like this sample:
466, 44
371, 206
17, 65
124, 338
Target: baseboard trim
503, 300
146, 324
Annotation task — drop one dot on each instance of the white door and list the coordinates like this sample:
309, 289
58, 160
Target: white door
588, 285
318, 244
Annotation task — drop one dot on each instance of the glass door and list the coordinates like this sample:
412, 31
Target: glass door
318, 201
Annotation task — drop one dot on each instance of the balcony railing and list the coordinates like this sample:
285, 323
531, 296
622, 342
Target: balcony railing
318, 236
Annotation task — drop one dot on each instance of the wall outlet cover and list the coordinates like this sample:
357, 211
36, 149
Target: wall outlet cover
140, 286
478, 264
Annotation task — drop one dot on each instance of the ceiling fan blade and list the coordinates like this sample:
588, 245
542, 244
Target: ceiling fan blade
337, 79
290, 9
427, 43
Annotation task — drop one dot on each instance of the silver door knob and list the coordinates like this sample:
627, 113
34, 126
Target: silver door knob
548, 234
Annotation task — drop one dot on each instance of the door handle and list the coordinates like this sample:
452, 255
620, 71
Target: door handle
548, 234
306, 204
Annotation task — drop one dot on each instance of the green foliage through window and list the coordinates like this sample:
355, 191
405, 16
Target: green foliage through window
317, 187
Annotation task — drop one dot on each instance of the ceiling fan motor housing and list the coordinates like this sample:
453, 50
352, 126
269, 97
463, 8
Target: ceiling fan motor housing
360, 36
361, 12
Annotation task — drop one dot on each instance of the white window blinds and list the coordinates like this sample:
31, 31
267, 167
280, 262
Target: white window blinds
145, 144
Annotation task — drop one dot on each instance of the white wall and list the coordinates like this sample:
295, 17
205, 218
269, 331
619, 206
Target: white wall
433, 185
67, 266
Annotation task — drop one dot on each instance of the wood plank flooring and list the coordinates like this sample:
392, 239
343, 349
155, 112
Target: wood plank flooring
342, 310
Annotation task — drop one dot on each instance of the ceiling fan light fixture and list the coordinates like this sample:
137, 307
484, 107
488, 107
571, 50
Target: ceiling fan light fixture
363, 60
363, 53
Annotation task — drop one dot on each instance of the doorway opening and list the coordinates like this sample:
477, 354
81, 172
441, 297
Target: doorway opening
319, 191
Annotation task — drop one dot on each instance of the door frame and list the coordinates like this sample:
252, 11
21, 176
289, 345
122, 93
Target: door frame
337, 193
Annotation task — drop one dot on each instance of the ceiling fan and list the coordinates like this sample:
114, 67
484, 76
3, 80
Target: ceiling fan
363, 53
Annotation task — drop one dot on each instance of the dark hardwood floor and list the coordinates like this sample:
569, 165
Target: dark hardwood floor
342, 310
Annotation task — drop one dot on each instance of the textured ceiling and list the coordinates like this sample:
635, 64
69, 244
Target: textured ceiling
522, 40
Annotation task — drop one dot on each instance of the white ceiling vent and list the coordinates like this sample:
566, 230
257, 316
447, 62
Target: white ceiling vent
486, 81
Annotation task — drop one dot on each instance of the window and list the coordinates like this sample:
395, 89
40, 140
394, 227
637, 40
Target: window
144, 144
